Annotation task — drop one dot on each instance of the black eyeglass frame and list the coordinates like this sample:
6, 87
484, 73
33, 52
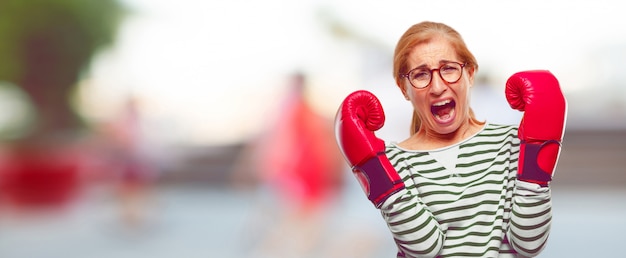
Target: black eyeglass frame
406, 75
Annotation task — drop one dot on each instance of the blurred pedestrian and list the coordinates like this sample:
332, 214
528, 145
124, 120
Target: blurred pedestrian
297, 164
136, 172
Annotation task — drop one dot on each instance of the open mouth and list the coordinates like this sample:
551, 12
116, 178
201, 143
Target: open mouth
443, 111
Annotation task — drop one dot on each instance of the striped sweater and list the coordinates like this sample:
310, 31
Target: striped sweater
476, 209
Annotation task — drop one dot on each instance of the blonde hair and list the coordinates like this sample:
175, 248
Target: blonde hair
421, 33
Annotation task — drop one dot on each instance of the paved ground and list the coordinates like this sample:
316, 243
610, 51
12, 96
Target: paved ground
194, 222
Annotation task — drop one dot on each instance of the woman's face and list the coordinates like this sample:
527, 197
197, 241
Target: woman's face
443, 107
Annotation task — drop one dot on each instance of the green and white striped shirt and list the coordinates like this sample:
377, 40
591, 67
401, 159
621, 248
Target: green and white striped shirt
474, 207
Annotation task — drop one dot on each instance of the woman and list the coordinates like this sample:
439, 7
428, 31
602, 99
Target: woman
453, 188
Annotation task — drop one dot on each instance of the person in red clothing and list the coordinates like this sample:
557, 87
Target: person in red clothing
297, 163
298, 159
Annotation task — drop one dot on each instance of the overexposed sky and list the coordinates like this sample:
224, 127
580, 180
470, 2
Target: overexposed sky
212, 72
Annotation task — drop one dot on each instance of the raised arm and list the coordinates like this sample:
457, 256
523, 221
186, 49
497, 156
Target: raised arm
413, 227
537, 94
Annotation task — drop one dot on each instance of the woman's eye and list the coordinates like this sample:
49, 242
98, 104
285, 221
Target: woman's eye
420, 75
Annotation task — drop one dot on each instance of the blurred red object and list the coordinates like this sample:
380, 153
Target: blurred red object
40, 177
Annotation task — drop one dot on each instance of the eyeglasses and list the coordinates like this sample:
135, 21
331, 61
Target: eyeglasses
421, 77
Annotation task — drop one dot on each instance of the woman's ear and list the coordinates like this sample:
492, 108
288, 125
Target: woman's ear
403, 89
471, 72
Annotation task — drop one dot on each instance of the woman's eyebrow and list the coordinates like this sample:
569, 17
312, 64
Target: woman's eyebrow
441, 62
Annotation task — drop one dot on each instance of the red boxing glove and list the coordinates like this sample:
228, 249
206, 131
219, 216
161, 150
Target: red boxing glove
358, 117
538, 95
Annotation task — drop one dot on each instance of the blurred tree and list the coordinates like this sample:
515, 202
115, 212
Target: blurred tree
45, 47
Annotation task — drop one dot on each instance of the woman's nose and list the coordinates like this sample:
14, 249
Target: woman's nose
437, 85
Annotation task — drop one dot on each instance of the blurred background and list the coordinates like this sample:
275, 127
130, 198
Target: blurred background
151, 128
